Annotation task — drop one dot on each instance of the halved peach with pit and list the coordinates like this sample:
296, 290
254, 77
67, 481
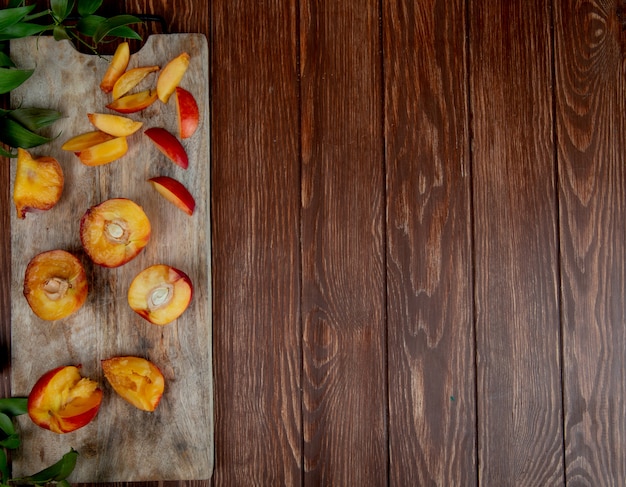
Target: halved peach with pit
55, 284
114, 232
136, 380
160, 294
38, 183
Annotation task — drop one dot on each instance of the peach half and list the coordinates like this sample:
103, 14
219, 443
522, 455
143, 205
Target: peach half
169, 145
188, 114
130, 79
160, 294
115, 125
63, 401
134, 102
137, 380
38, 183
171, 76
55, 284
117, 66
114, 232
175, 192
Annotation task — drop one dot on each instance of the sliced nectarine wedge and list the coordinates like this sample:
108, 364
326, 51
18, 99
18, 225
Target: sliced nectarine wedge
115, 125
188, 114
55, 284
104, 152
116, 68
136, 380
86, 140
130, 79
169, 145
135, 102
171, 75
160, 294
175, 192
114, 232
38, 183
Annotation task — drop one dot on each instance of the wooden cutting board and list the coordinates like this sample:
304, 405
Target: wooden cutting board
123, 443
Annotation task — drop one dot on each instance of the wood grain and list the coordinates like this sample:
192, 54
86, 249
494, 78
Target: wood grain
180, 430
590, 130
515, 243
343, 292
432, 421
256, 202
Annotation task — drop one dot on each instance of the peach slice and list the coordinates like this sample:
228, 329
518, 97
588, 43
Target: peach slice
188, 114
38, 183
130, 79
116, 68
55, 285
175, 192
171, 75
86, 140
134, 103
136, 380
104, 152
115, 125
160, 294
169, 145
114, 232
63, 401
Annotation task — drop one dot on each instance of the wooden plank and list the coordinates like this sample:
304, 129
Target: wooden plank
256, 201
515, 239
180, 431
343, 294
590, 131
429, 262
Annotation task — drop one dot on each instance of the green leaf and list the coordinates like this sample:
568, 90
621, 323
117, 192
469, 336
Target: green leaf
54, 473
6, 425
11, 442
60, 33
35, 118
14, 406
11, 16
23, 29
61, 9
5, 61
113, 23
16, 135
126, 33
4, 467
11, 78
7, 154
87, 25
88, 7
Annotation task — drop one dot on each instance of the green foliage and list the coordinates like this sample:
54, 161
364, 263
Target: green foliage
10, 440
71, 20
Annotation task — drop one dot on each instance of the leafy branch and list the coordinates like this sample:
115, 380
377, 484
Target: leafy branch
73, 20
10, 440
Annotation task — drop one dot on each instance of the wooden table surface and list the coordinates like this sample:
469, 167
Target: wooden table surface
418, 234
